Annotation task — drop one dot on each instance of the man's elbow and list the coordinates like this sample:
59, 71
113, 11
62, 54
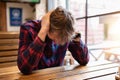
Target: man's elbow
83, 63
25, 70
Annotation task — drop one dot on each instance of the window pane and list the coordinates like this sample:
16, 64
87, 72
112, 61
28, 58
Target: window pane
96, 7
80, 27
77, 8
95, 31
111, 24
103, 28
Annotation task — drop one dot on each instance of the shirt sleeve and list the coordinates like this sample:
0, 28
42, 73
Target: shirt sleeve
30, 51
79, 52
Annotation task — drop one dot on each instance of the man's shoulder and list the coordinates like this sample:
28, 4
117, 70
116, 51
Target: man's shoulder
32, 24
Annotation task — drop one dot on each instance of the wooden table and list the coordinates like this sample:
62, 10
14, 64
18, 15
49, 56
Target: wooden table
93, 71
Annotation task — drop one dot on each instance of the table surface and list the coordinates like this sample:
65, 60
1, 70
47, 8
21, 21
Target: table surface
99, 70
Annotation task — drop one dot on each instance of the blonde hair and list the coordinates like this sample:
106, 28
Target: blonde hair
62, 21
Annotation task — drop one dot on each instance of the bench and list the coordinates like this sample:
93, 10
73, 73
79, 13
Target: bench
8, 48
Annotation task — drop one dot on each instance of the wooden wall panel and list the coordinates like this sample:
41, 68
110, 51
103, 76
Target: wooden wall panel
3, 21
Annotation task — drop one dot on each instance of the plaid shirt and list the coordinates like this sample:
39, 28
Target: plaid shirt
35, 54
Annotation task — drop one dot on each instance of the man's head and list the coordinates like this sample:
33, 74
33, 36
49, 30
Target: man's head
61, 25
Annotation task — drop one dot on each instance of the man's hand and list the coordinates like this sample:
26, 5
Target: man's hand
44, 26
77, 37
45, 22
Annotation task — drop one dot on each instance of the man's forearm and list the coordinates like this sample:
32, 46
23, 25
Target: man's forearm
42, 35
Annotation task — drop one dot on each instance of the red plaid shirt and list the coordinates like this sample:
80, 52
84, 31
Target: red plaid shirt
35, 54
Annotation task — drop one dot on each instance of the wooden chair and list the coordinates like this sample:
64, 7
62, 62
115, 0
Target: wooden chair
8, 48
112, 53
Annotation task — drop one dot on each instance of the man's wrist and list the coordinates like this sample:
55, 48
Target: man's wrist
42, 35
76, 40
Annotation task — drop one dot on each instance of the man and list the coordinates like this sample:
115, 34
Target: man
43, 43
